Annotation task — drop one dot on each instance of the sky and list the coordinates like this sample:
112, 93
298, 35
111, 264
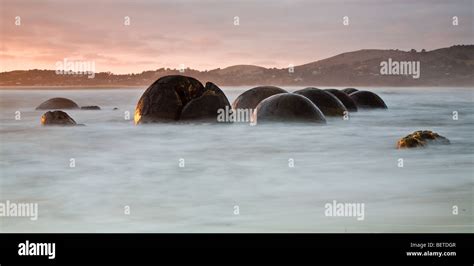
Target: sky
203, 35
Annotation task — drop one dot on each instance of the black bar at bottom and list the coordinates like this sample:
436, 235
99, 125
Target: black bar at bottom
292, 249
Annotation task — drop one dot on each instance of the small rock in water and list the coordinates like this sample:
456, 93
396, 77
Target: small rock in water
59, 118
90, 107
420, 139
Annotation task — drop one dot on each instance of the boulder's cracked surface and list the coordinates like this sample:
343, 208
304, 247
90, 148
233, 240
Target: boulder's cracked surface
177, 97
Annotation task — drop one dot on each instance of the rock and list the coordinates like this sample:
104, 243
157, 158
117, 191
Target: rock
251, 98
115, 108
421, 139
367, 100
345, 99
288, 107
90, 107
205, 107
57, 103
57, 118
325, 101
167, 97
349, 90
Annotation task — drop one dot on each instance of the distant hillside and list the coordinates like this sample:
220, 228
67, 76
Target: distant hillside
453, 66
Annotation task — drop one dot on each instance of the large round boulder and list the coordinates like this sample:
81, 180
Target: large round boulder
288, 107
206, 106
367, 100
251, 98
57, 103
344, 98
349, 90
167, 97
325, 101
420, 139
59, 118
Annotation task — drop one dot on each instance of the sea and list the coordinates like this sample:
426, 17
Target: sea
113, 176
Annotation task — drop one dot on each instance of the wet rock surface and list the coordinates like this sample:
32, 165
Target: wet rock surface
288, 107
167, 99
58, 118
90, 107
421, 138
57, 103
367, 100
344, 98
251, 98
205, 107
329, 104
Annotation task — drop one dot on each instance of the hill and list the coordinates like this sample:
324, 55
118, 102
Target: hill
453, 66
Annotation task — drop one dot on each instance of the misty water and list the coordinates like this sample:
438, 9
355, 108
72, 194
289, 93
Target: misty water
118, 164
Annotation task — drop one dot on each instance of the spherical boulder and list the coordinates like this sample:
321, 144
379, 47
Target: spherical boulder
167, 97
206, 106
59, 118
57, 103
349, 90
325, 101
367, 100
251, 98
420, 139
90, 107
288, 107
344, 98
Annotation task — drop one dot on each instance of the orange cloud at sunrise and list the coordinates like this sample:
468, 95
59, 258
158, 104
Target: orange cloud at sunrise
202, 34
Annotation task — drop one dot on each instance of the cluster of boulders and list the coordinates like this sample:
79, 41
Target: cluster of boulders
310, 104
181, 98
176, 98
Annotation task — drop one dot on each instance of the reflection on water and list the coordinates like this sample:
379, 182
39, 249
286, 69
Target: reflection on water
118, 164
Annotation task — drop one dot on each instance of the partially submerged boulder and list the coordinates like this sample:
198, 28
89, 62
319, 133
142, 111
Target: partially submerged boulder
349, 90
288, 107
251, 98
345, 99
167, 98
90, 107
57, 103
325, 101
58, 118
421, 138
367, 100
205, 107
